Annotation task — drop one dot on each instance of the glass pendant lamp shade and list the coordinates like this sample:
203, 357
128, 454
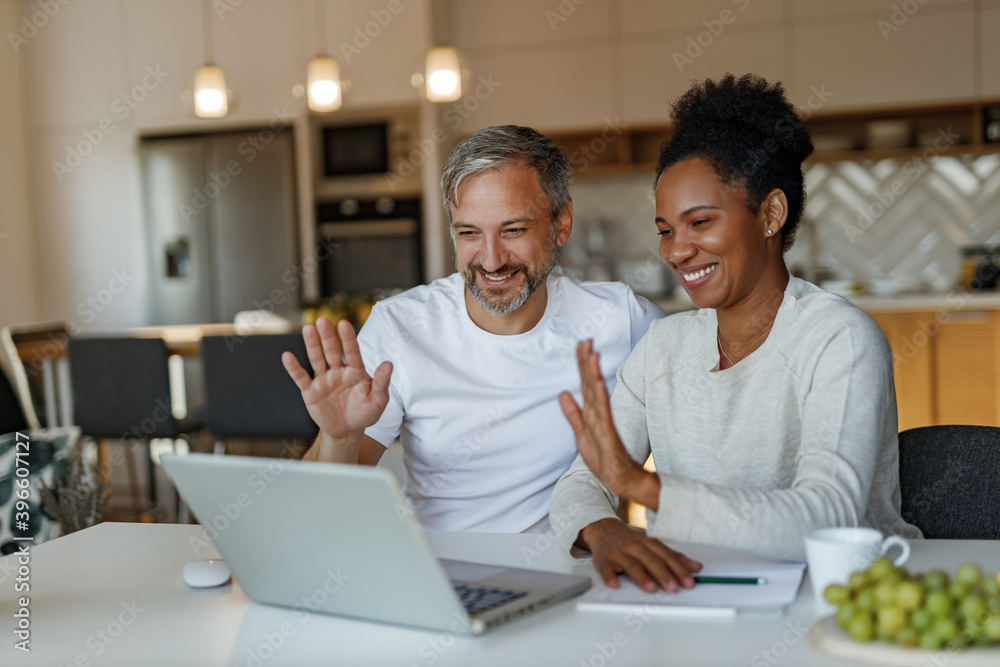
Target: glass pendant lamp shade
443, 75
323, 84
211, 98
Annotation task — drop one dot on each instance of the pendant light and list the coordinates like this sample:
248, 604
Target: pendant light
443, 74
211, 96
323, 87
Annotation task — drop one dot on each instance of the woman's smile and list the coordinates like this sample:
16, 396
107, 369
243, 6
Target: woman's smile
695, 277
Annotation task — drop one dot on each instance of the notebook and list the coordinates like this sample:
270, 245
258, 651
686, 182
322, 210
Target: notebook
339, 539
780, 582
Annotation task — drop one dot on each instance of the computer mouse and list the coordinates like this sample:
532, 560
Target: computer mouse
206, 573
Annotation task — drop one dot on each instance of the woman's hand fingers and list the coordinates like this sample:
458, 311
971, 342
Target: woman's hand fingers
584, 443
608, 571
691, 564
645, 560
572, 412
584, 361
677, 565
638, 570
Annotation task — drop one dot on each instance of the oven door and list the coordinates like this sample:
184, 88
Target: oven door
367, 255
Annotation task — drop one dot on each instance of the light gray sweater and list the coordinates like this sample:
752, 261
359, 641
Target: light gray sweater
799, 435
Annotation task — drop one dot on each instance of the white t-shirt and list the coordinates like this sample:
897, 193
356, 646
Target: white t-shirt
483, 437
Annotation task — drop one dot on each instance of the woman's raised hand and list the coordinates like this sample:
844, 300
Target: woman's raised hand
341, 398
596, 438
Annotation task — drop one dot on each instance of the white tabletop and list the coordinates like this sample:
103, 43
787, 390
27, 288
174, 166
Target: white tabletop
113, 595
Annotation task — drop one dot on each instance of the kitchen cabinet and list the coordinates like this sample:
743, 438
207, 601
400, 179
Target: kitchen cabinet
989, 72
886, 58
926, 131
947, 366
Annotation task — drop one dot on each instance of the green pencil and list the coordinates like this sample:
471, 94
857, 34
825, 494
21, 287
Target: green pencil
759, 581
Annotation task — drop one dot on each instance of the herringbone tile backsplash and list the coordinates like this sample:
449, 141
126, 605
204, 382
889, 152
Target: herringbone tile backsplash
901, 222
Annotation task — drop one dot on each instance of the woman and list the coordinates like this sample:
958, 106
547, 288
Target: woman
770, 411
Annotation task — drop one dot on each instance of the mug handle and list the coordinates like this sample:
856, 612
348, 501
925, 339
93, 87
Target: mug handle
897, 541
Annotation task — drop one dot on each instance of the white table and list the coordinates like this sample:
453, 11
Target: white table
113, 595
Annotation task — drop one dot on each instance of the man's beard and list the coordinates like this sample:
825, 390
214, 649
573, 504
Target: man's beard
501, 301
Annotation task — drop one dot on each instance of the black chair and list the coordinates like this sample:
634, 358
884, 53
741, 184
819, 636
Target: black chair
949, 477
121, 391
248, 393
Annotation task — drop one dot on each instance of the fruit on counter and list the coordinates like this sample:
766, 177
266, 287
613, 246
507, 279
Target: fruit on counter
930, 611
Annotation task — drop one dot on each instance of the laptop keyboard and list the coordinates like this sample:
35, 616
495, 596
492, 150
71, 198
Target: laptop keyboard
477, 599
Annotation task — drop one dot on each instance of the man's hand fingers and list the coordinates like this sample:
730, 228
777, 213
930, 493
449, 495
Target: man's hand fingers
352, 353
331, 343
314, 349
380, 381
298, 374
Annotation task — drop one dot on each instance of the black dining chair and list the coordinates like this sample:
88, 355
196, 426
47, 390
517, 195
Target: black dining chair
121, 391
248, 393
949, 478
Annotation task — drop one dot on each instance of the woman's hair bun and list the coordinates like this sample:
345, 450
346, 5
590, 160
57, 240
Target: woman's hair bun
748, 105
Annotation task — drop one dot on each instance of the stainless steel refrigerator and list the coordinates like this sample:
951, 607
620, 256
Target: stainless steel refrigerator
220, 225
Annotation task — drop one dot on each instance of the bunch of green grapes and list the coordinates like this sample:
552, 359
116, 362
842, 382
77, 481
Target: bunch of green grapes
928, 611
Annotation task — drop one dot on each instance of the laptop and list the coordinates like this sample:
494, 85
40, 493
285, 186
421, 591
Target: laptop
340, 539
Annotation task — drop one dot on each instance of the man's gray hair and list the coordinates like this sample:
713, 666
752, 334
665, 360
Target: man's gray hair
501, 145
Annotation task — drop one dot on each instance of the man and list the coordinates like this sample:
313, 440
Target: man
467, 370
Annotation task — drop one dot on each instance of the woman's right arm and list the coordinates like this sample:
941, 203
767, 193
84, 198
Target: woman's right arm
583, 505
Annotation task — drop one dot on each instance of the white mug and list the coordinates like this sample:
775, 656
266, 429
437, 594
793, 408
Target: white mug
834, 553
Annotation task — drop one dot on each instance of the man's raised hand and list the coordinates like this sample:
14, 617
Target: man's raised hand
341, 397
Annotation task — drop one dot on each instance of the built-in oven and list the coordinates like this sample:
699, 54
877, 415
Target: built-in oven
369, 245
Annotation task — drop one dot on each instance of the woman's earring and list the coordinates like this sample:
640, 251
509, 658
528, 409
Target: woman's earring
770, 231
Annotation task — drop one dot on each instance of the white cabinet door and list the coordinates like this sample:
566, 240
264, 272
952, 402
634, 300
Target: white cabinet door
928, 57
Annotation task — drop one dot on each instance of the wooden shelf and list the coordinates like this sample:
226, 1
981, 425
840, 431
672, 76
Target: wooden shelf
607, 151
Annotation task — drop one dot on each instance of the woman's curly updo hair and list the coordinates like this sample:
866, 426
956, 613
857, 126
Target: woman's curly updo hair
750, 135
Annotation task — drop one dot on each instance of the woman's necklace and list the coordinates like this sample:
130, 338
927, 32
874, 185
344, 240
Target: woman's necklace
718, 337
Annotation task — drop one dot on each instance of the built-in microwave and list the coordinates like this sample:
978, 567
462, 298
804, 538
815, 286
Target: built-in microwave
368, 153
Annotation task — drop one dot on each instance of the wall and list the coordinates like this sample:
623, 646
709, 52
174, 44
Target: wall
18, 293
577, 63
102, 72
